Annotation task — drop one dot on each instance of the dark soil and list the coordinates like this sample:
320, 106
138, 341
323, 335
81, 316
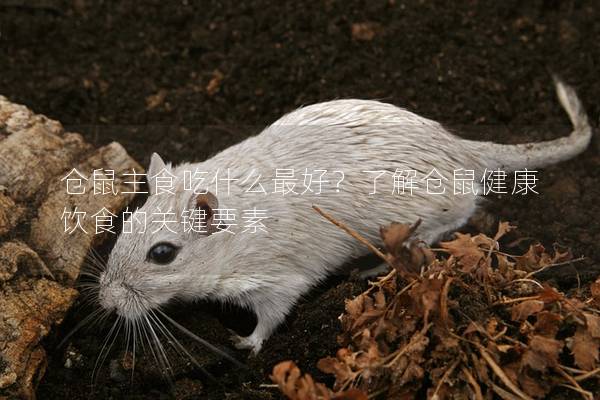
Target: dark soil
480, 67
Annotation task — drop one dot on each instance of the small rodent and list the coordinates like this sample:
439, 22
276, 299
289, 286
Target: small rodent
269, 271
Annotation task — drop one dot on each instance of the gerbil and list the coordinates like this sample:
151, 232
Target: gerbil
269, 271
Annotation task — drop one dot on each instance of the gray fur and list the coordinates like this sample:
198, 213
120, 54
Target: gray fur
269, 272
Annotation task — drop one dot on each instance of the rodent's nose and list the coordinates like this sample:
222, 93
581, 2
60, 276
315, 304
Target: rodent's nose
111, 295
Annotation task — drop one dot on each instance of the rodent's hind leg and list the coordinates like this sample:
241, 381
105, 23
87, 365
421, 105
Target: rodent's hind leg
270, 313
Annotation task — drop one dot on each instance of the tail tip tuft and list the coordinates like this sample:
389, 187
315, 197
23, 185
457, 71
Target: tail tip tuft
570, 102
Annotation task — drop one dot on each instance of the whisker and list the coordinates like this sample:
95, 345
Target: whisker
145, 325
166, 334
144, 331
203, 342
127, 336
104, 351
135, 339
161, 349
96, 255
80, 325
93, 263
90, 274
178, 346
156, 346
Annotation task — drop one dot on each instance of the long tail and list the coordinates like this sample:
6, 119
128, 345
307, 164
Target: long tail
537, 155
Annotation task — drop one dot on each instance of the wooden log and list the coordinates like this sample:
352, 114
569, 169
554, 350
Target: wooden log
39, 262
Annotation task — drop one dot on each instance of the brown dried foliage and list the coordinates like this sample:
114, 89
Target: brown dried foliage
302, 387
472, 322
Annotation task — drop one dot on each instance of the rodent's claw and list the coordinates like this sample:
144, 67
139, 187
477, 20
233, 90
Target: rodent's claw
246, 343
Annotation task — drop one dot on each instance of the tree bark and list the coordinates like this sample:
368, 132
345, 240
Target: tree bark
39, 261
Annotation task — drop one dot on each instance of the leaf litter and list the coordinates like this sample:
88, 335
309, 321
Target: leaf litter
466, 320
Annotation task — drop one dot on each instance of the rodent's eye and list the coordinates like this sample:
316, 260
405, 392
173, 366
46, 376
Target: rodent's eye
162, 253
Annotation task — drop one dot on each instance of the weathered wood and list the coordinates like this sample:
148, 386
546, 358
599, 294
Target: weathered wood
39, 262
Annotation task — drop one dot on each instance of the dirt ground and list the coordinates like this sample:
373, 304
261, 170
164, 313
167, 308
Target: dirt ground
190, 78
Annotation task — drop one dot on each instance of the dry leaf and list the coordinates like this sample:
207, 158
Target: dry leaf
522, 311
531, 260
585, 349
331, 365
466, 250
401, 341
543, 352
593, 324
548, 323
503, 229
533, 386
296, 386
405, 255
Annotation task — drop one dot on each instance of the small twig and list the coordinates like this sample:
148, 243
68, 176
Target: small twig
404, 289
481, 330
510, 301
573, 370
406, 348
537, 271
444, 301
525, 280
518, 241
500, 334
472, 382
504, 394
584, 393
587, 375
376, 394
575, 386
493, 247
354, 234
383, 280
444, 377
500, 373
515, 341
463, 339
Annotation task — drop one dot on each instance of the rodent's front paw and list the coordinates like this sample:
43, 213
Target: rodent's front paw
246, 343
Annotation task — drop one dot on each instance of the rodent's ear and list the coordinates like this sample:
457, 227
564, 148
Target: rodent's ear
156, 165
207, 203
